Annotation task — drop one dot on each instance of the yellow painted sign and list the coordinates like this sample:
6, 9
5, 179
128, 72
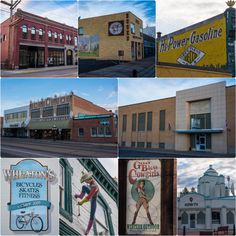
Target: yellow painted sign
203, 46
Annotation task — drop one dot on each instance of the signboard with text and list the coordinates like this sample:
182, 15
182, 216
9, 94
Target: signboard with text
29, 205
143, 215
203, 45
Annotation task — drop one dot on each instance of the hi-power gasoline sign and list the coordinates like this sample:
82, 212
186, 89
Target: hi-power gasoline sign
29, 205
203, 45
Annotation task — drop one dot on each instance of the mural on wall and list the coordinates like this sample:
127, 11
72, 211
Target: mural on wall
196, 46
89, 45
143, 197
29, 205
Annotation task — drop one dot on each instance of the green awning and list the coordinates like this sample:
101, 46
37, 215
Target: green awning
60, 124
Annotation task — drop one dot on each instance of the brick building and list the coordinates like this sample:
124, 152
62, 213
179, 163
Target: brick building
95, 128
53, 117
197, 119
111, 37
36, 41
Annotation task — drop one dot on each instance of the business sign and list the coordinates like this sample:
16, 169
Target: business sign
29, 203
89, 45
203, 45
143, 197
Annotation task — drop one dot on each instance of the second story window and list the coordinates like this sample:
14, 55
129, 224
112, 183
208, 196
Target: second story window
50, 35
55, 36
141, 31
33, 32
40, 34
61, 37
67, 39
81, 30
76, 42
24, 31
70, 39
132, 28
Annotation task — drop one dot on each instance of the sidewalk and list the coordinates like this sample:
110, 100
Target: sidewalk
144, 68
36, 70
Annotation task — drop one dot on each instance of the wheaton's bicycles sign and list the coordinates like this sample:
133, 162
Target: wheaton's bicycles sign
29, 203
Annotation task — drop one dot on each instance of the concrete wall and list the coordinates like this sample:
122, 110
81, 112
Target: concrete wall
216, 93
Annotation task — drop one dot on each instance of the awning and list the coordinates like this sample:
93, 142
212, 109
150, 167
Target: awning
60, 124
196, 131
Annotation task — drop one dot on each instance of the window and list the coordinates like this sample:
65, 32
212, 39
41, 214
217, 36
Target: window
81, 30
80, 132
40, 34
140, 144
162, 119
230, 217
48, 111
141, 31
24, 32
75, 41
50, 35
65, 189
94, 132
149, 145
200, 121
200, 218
61, 37
70, 39
124, 124
33, 32
149, 121
132, 144
141, 121
35, 113
4, 38
184, 218
63, 109
55, 36
215, 217
123, 143
107, 131
134, 122
162, 145
132, 28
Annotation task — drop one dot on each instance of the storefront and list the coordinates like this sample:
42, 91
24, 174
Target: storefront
210, 207
30, 200
56, 57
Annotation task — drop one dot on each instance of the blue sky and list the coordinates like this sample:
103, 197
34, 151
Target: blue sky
63, 11
143, 9
187, 176
18, 92
142, 90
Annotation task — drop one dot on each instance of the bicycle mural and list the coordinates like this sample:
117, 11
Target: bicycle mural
29, 203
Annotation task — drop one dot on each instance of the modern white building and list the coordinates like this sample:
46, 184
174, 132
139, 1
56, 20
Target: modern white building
15, 122
209, 207
72, 223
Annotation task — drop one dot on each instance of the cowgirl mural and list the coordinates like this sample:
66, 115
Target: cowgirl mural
91, 189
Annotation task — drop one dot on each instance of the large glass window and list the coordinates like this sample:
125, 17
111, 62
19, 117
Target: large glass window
141, 121
56, 57
124, 124
134, 122
149, 121
215, 217
230, 217
200, 121
200, 218
184, 218
162, 120
35, 113
63, 109
132, 28
48, 111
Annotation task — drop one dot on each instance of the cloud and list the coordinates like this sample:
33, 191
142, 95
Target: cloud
109, 106
112, 94
183, 13
189, 170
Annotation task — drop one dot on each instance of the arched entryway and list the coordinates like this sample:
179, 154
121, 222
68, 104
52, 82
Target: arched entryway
69, 57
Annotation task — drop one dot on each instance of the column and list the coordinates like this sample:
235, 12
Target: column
223, 220
208, 218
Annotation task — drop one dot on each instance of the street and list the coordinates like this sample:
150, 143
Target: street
134, 153
59, 71
20, 147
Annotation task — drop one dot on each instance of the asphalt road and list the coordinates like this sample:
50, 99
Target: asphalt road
16, 147
61, 73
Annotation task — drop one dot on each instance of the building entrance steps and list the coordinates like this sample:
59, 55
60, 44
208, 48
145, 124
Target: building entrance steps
144, 68
33, 70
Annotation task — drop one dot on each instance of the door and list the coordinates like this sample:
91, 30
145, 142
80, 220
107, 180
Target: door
192, 221
136, 51
200, 142
69, 57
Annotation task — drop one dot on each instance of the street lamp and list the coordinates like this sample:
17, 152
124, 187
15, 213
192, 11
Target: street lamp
54, 129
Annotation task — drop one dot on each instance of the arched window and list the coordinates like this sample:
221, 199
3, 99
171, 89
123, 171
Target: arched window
33, 30
24, 29
67, 37
60, 36
184, 218
50, 35
40, 32
76, 42
230, 217
55, 35
200, 218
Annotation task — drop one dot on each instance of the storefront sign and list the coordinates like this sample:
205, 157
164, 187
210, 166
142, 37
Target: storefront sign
29, 203
143, 197
196, 46
191, 203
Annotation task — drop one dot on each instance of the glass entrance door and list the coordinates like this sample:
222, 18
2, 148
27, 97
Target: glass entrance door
192, 221
200, 142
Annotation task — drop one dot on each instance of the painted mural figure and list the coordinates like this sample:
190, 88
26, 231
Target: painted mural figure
142, 201
91, 189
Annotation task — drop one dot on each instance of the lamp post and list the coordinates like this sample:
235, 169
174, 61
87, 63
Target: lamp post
54, 129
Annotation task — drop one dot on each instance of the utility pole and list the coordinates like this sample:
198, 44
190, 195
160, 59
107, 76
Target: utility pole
12, 6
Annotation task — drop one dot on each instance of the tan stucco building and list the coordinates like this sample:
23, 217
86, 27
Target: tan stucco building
197, 119
111, 37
